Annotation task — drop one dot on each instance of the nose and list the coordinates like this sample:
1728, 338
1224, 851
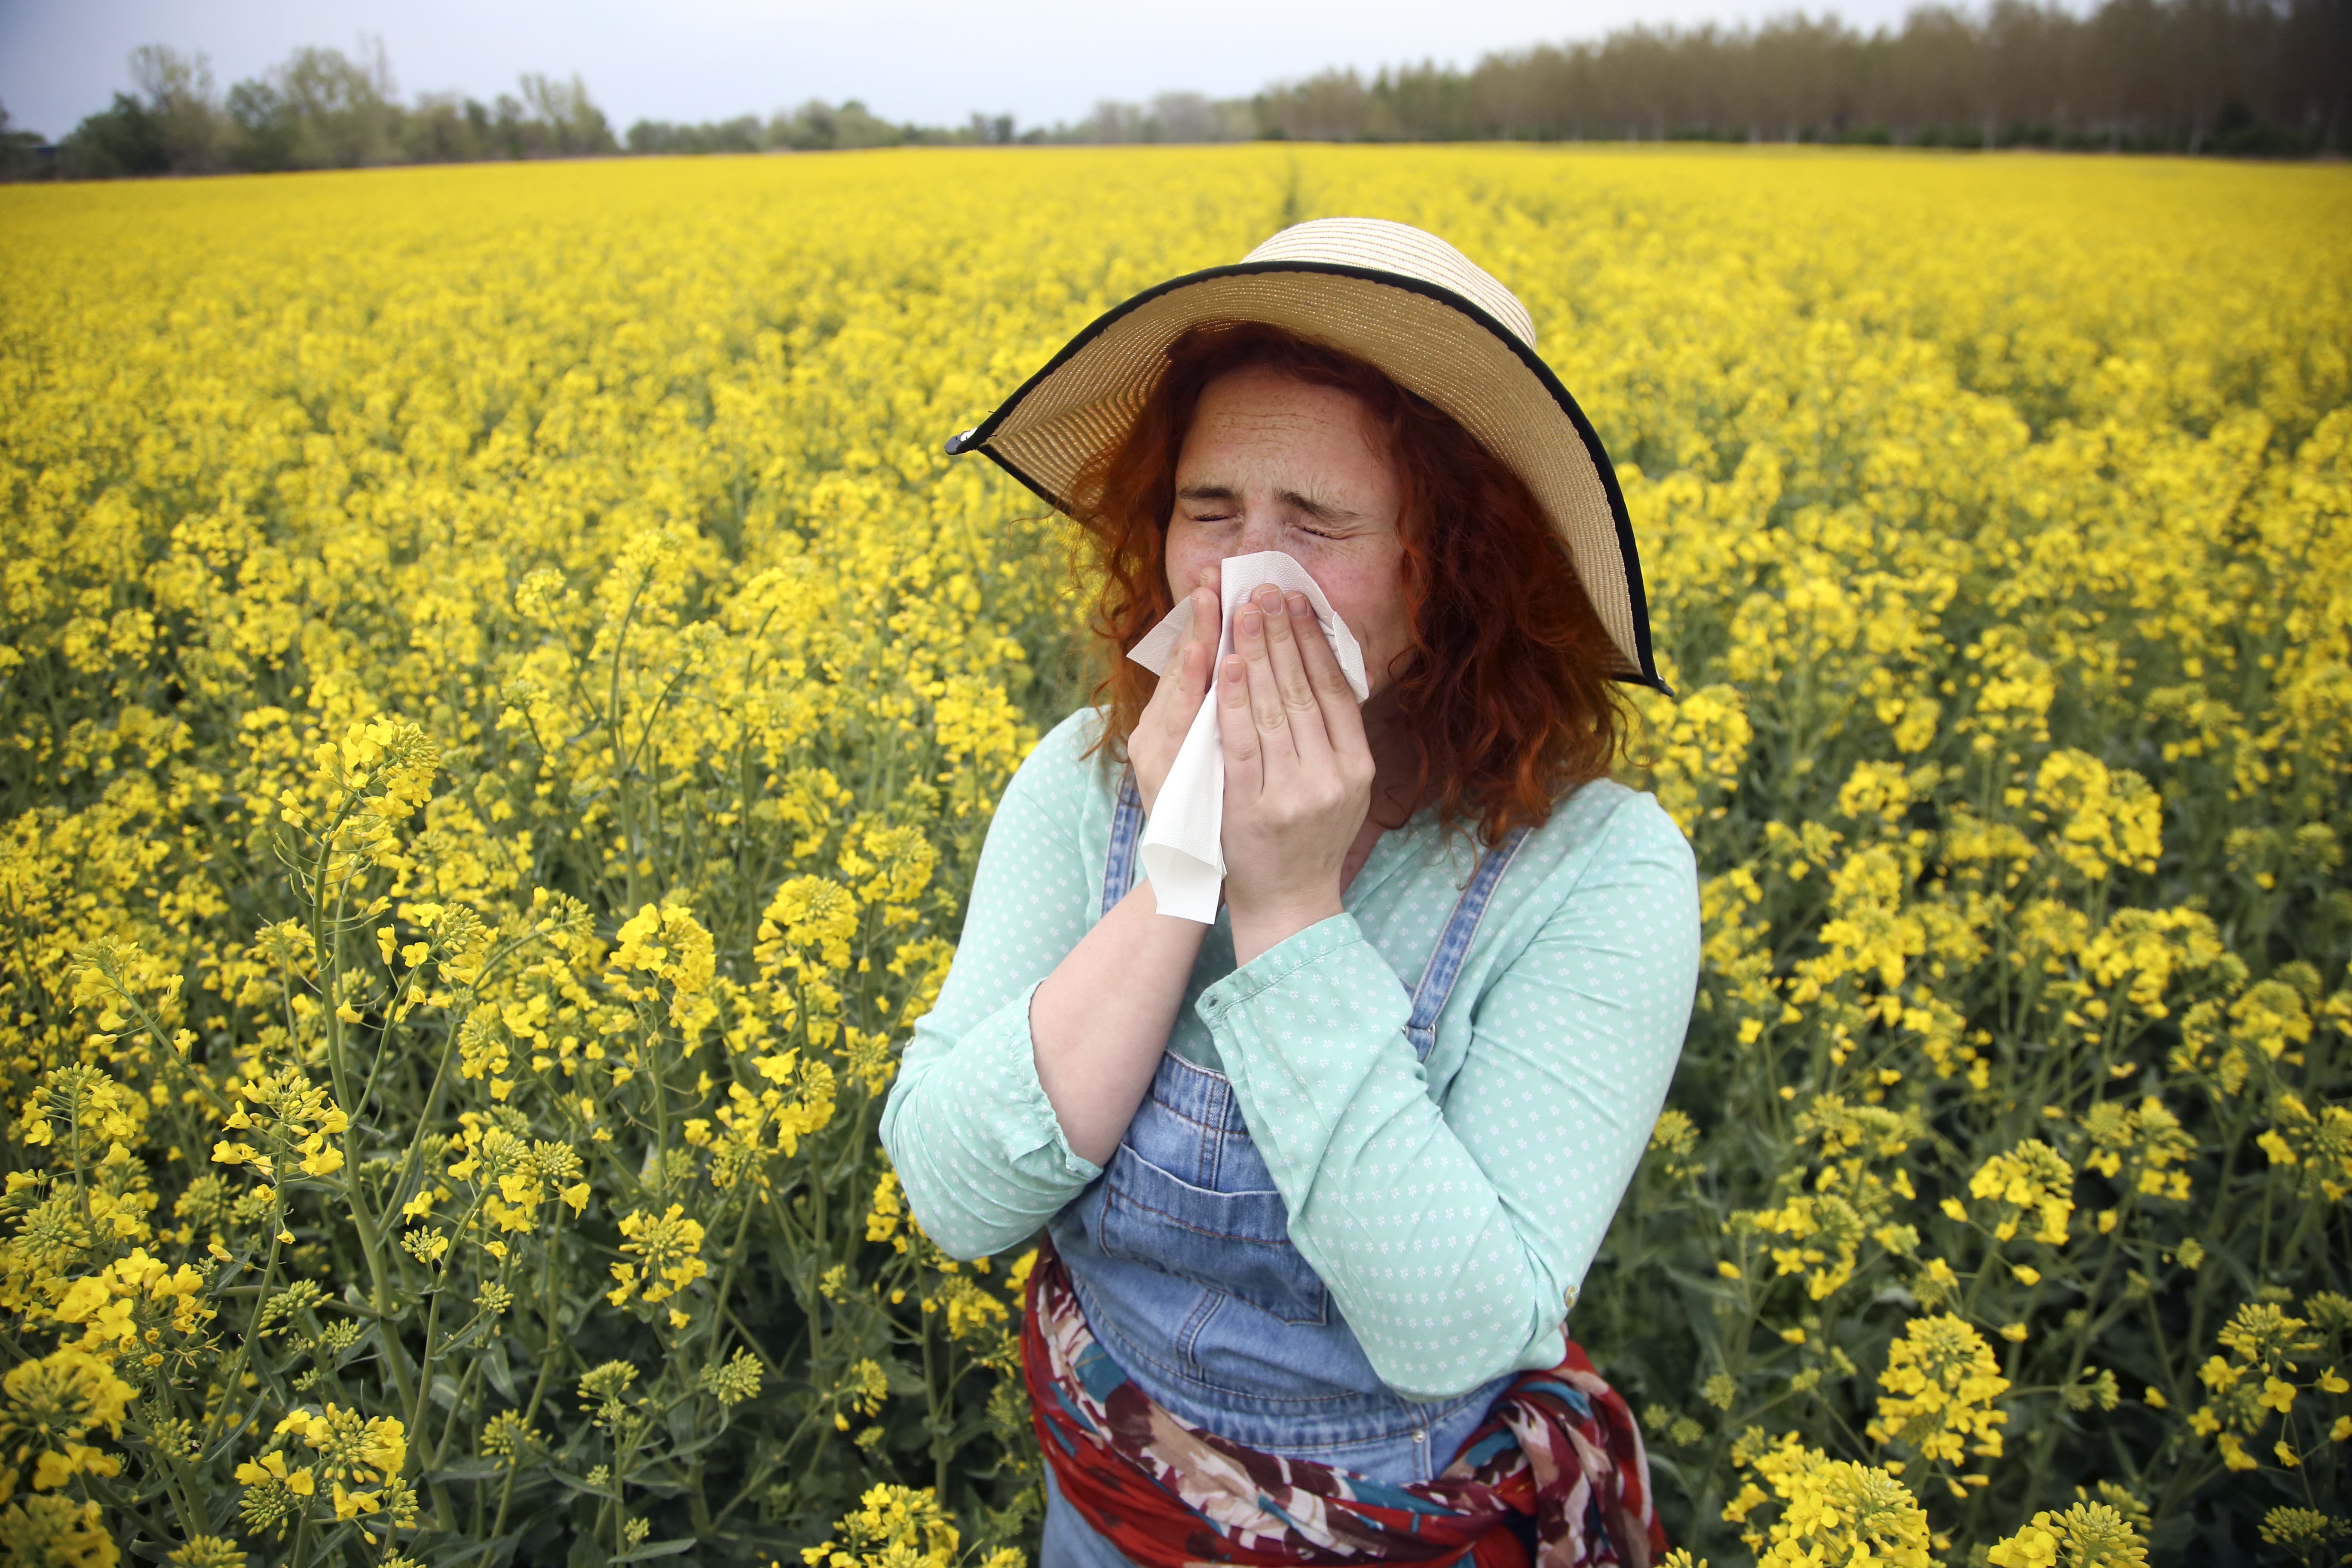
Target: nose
1260, 530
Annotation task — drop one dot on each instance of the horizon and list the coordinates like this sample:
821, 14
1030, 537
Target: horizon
716, 59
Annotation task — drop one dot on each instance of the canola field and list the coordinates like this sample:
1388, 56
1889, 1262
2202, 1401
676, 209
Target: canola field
501, 695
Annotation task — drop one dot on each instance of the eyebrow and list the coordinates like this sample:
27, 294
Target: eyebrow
1321, 510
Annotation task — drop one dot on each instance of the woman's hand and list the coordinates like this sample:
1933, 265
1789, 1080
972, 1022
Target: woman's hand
1298, 772
1159, 728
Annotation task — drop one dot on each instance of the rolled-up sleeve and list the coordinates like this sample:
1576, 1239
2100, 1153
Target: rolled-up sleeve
1452, 1238
975, 1142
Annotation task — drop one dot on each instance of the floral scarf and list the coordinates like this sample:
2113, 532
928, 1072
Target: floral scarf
1559, 1460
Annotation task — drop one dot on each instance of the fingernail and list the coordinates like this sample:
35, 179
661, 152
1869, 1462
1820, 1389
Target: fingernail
1297, 604
1249, 623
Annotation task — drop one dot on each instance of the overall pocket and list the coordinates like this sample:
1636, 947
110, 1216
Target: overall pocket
1236, 1242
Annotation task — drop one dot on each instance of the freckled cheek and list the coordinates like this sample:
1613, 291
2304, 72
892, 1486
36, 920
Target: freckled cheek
1383, 660
1186, 555
1377, 619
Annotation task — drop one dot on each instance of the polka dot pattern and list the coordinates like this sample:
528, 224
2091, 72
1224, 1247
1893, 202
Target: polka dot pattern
1452, 1207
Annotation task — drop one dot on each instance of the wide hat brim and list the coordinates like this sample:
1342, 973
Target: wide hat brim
1430, 339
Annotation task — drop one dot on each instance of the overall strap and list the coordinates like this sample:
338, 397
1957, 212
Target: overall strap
1454, 943
1429, 998
1126, 829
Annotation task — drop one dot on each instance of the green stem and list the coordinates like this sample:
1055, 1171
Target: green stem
614, 738
395, 1359
116, 1502
726, 1279
766, 1470
234, 1381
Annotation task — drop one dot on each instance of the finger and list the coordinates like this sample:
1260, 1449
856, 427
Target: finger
1167, 696
1208, 619
1266, 711
1177, 697
1198, 656
1343, 717
1299, 702
1180, 696
1244, 757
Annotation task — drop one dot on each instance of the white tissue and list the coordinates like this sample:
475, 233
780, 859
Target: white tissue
1183, 843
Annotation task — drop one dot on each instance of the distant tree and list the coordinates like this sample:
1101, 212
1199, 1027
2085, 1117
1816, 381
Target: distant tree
817, 126
560, 121
442, 128
342, 108
854, 126
1190, 116
179, 94
808, 129
262, 137
124, 139
172, 124
24, 154
320, 109
1330, 106
744, 133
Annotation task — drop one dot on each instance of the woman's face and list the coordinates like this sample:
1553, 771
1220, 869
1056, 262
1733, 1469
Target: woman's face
1275, 464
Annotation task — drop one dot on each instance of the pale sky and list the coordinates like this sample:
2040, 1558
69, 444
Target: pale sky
934, 61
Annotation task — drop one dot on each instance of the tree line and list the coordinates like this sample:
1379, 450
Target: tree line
2266, 78
2259, 77
321, 108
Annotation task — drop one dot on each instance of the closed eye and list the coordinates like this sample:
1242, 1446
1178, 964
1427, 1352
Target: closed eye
1219, 503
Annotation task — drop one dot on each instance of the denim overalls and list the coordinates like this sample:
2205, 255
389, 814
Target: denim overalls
1181, 1255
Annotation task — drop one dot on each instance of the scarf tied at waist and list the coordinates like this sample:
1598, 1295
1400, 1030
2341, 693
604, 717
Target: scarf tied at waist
1558, 1463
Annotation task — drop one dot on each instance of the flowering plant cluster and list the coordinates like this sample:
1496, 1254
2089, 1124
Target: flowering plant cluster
500, 696
2008, 1154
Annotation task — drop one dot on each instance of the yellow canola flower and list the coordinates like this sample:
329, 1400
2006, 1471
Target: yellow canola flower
52, 1404
2087, 1535
1939, 1386
2032, 1179
667, 1248
893, 1527
1957, 488
352, 1445
1832, 1510
271, 1466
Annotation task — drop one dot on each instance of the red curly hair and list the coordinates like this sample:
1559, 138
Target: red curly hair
1505, 690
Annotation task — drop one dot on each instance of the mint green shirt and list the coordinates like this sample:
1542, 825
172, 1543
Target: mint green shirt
1452, 1208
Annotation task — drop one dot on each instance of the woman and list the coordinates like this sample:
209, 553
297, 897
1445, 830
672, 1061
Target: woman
1321, 1180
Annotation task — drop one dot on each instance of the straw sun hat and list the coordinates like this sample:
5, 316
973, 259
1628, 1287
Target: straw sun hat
1388, 293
